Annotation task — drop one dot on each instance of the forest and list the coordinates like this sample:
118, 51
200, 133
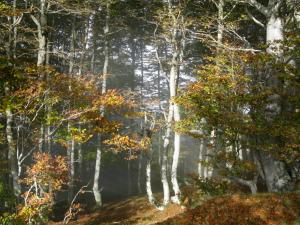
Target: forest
150, 112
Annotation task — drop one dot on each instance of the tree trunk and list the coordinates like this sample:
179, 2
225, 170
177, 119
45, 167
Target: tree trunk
164, 178
96, 190
148, 177
220, 7
71, 154
41, 25
276, 176
176, 197
71, 142
275, 34
11, 148
201, 158
139, 174
80, 155
129, 176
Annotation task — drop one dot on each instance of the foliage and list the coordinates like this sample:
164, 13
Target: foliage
125, 143
200, 189
236, 98
44, 178
11, 219
212, 187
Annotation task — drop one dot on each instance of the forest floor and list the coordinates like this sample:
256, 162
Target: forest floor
132, 211
261, 209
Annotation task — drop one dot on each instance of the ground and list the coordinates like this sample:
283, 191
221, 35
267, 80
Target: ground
261, 209
133, 211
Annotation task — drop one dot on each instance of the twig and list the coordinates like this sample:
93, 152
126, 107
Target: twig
68, 215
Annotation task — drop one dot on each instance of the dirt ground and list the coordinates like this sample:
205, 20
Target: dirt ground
133, 211
261, 209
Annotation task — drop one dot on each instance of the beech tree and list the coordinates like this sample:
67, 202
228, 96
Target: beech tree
110, 90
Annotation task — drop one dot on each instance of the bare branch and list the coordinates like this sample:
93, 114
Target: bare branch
34, 19
261, 8
254, 19
69, 213
230, 11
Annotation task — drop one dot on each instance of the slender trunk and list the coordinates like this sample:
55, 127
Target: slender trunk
129, 180
12, 157
12, 150
71, 142
80, 160
80, 155
139, 174
41, 139
71, 155
132, 86
201, 158
208, 170
96, 190
19, 153
176, 198
15, 31
142, 103
80, 71
159, 148
85, 44
41, 25
174, 76
164, 178
148, 177
71, 159
220, 6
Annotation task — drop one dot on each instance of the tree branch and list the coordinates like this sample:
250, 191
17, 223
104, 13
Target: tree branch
254, 19
261, 8
34, 19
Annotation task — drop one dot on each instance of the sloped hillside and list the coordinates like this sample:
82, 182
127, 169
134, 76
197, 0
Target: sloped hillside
262, 209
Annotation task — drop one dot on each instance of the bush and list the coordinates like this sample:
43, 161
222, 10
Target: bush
11, 219
200, 189
211, 186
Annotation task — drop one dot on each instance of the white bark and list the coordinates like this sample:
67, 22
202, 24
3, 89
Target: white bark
71, 152
177, 44
274, 34
41, 24
220, 22
176, 197
202, 157
164, 178
11, 148
71, 142
96, 190
209, 170
148, 182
